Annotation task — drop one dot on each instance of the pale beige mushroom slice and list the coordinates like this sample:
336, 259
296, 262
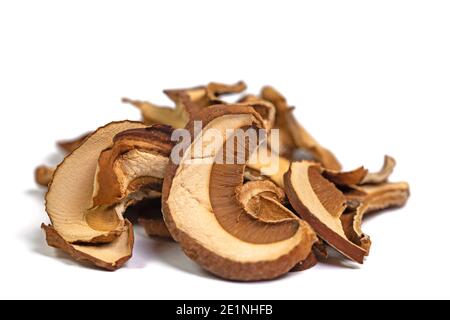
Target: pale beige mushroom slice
110, 256
69, 196
321, 204
203, 213
293, 135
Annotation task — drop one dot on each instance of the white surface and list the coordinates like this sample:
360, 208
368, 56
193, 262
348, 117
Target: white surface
368, 78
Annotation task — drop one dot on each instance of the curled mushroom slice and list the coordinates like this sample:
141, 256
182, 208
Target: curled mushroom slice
135, 163
321, 204
293, 135
214, 90
43, 175
382, 175
153, 114
353, 177
69, 196
110, 256
203, 213
366, 199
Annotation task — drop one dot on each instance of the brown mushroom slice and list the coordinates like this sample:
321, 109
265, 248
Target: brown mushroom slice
201, 97
382, 175
214, 90
43, 175
379, 197
153, 114
368, 199
69, 197
135, 163
321, 204
353, 177
293, 135
203, 212
110, 256
148, 213
70, 145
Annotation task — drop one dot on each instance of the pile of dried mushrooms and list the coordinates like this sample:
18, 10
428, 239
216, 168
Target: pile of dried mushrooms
234, 220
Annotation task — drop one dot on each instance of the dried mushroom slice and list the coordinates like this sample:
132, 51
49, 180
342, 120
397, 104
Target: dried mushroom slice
379, 197
153, 114
134, 165
43, 175
382, 175
150, 216
293, 136
69, 196
366, 199
321, 204
110, 256
353, 177
188, 102
203, 213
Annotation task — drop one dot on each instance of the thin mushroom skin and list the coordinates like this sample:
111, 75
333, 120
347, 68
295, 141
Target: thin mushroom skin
210, 244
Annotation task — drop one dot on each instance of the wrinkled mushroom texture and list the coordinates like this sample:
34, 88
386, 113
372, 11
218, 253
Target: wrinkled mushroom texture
202, 210
69, 197
70, 145
382, 175
135, 163
321, 204
43, 175
109, 256
293, 136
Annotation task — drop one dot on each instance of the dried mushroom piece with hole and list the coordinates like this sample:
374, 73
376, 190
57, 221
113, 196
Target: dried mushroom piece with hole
133, 166
110, 256
321, 204
43, 175
203, 213
69, 198
293, 136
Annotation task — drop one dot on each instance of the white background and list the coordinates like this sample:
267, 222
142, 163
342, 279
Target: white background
367, 77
